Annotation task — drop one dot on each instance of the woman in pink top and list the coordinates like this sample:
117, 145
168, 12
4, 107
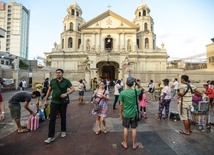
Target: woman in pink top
143, 102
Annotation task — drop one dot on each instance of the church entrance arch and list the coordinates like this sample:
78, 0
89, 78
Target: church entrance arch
108, 69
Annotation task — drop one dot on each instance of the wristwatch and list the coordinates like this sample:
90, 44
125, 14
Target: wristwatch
3, 112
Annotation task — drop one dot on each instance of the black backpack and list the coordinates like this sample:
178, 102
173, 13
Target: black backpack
20, 84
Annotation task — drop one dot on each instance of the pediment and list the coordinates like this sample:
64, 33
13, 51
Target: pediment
108, 19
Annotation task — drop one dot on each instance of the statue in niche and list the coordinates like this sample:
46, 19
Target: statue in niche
87, 63
88, 47
16, 63
126, 65
129, 47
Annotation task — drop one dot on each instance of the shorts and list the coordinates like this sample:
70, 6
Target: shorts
15, 110
186, 112
81, 93
1, 99
151, 90
127, 122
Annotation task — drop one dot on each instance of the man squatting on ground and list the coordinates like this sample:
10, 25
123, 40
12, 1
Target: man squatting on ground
15, 106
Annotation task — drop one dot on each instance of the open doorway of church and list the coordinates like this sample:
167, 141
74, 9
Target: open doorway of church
108, 70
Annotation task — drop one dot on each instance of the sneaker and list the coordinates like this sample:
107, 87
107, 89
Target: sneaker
49, 140
145, 116
63, 134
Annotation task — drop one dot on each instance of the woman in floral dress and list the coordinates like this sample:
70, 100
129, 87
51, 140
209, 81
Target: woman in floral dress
102, 95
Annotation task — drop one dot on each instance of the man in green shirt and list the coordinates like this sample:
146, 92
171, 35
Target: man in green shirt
60, 88
128, 111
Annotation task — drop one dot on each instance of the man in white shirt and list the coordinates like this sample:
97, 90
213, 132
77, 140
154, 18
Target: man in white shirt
175, 86
24, 84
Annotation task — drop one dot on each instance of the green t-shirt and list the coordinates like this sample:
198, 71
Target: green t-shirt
56, 92
128, 98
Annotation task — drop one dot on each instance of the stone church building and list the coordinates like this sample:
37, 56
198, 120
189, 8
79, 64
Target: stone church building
108, 45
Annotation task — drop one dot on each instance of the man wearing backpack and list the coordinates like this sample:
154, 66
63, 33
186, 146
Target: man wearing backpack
184, 106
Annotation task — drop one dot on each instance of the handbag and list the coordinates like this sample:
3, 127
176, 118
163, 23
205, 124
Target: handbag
138, 116
66, 99
96, 104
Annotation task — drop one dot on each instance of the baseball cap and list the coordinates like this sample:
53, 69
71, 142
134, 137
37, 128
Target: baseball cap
130, 81
166, 80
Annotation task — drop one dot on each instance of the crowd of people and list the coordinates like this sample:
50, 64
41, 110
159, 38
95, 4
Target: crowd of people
128, 95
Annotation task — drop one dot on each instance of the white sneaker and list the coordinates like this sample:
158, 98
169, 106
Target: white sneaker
49, 140
63, 134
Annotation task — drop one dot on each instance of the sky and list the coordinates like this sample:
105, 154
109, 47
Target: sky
184, 26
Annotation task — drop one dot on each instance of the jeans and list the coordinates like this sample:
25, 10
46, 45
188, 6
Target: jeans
62, 109
115, 101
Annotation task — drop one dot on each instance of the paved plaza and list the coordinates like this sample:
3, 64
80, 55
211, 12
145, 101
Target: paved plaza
155, 137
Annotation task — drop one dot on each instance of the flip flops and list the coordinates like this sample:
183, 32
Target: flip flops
135, 148
182, 132
23, 131
125, 147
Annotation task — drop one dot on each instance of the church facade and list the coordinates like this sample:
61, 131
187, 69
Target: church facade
108, 45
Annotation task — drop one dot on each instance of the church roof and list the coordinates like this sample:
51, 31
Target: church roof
106, 14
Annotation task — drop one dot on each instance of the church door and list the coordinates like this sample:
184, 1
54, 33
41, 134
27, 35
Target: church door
108, 72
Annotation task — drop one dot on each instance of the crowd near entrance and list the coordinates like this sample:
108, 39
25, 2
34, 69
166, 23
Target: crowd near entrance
108, 70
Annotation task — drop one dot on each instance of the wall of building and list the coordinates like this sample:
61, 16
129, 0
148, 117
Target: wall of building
210, 56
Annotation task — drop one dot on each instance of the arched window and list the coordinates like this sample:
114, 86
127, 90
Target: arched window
71, 26
146, 43
64, 27
144, 12
70, 42
72, 12
139, 14
145, 27
79, 43
62, 43
77, 13
152, 28
138, 45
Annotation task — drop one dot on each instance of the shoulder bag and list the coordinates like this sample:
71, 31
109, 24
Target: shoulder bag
66, 99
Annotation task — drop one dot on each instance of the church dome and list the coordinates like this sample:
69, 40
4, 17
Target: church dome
142, 6
74, 6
